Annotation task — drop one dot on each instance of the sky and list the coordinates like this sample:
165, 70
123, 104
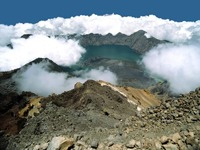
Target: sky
23, 11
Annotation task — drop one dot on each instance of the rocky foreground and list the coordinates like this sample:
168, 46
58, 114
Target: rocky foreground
98, 115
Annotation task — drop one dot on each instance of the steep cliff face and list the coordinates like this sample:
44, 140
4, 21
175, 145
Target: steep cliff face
137, 41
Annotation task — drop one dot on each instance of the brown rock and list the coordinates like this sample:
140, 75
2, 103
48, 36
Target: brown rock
55, 143
101, 146
116, 147
176, 137
167, 105
61, 143
191, 134
66, 145
81, 144
190, 141
158, 145
181, 145
164, 139
131, 144
138, 144
78, 85
41, 146
94, 144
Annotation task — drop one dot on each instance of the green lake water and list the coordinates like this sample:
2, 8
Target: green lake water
121, 60
116, 52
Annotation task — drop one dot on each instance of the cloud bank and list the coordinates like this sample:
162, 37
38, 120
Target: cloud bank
162, 29
62, 52
37, 79
67, 52
178, 64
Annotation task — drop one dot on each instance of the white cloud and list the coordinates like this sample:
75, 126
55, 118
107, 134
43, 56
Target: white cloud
162, 29
25, 50
39, 80
6, 34
178, 64
159, 28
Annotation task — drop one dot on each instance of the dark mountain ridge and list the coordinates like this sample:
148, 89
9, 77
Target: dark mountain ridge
7, 85
136, 41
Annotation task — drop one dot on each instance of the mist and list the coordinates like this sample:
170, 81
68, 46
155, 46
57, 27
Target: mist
38, 79
61, 51
178, 64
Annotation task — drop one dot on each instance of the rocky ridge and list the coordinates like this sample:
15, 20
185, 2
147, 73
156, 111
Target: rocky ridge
96, 115
140, 97
137, 41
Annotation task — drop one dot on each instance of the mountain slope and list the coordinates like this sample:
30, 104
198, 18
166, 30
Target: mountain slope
137, 41
100, 115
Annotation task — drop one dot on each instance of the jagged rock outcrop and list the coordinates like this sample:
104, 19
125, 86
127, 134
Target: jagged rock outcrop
26, 36
136, 41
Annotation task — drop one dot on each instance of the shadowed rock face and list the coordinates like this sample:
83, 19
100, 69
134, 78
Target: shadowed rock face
136, 41
10, 121
10, 105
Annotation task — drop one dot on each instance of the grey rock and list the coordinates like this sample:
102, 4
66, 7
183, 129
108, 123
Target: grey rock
168, 105
55, 143
171, 147
77, 137
190, 141
176, 137
158, 144
138, 144
94, 144
136, 41
164, 139
131, 144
